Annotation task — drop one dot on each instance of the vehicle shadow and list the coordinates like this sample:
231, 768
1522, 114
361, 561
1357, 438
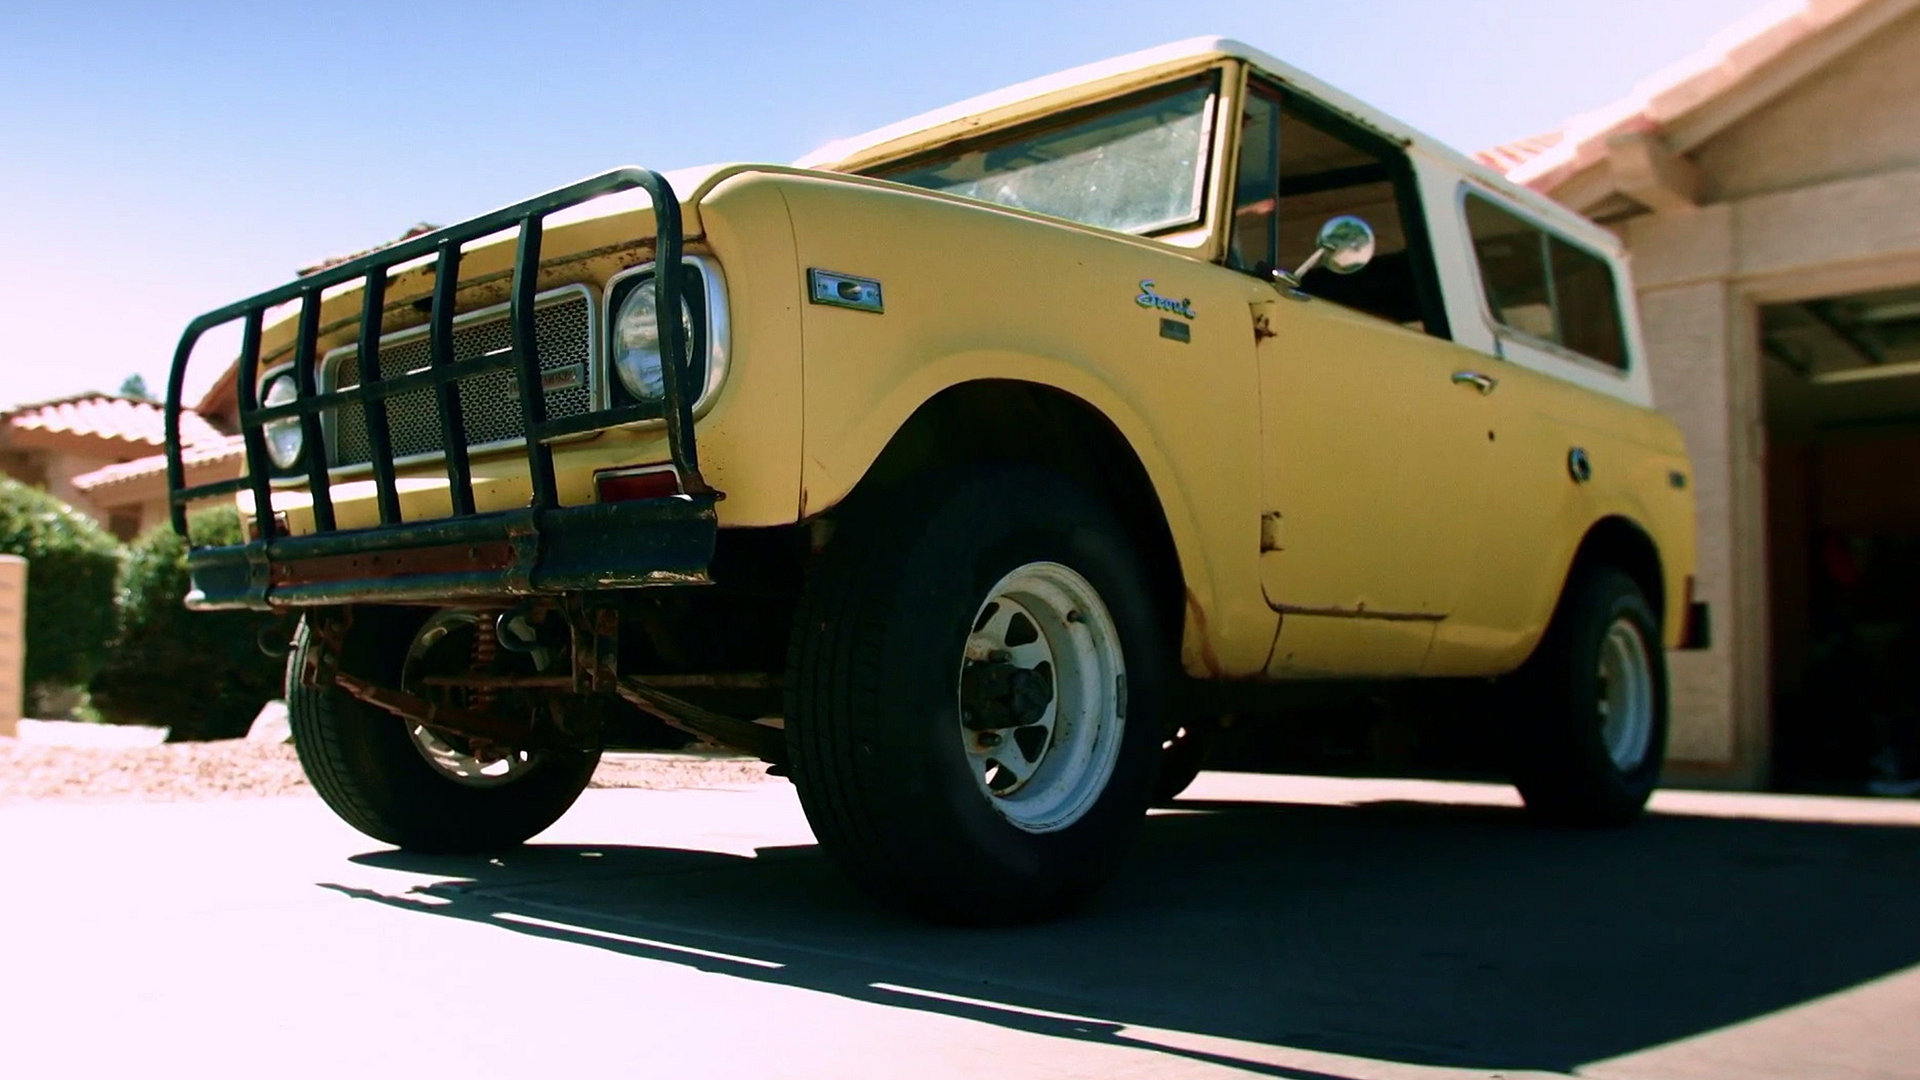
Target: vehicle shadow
1422, 933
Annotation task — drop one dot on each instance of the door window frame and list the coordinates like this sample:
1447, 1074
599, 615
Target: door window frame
1501, 331
1400, 172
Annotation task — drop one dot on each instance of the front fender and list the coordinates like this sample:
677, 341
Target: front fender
974, 293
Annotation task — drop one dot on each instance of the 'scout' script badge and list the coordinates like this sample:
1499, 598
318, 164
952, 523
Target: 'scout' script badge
1150, 299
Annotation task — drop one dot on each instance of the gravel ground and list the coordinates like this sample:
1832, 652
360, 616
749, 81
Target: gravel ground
241, 769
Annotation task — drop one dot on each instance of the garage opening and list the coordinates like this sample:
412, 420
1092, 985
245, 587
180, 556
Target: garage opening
1843, 506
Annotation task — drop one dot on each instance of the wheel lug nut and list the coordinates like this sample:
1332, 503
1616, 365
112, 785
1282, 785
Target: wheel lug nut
989, 739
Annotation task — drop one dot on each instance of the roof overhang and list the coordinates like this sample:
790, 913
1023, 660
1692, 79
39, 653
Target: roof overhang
144, 479
1632, 155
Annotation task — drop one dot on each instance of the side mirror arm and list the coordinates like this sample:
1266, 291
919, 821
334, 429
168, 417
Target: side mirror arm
1345, 246
1292, 280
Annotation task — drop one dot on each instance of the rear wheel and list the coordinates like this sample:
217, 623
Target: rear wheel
976, 686
407, 785
1590, 734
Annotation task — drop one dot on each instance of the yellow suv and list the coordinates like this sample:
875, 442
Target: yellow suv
949, 468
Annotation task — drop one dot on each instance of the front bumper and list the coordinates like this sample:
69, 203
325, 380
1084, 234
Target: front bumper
499, 556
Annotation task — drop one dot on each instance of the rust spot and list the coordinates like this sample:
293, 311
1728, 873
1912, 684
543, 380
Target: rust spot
1270, 532
1358, 611
406, 562
420, 229
642, 254
1262, 329
1209, 660
1279, 624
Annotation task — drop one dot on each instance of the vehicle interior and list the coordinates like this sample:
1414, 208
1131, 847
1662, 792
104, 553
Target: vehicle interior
1545, 287
1302, 164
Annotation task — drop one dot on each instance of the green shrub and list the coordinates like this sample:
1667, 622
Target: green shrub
71, 563
200, 673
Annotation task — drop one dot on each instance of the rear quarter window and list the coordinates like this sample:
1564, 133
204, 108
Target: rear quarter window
1544, 286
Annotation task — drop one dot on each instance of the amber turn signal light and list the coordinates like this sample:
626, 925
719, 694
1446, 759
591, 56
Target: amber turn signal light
625, 485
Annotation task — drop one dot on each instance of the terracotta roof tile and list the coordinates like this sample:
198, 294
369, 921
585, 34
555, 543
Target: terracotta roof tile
1732, 57
104, 416
226, 449
1509, 156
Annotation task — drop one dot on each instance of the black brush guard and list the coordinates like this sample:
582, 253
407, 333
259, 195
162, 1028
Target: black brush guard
543, 548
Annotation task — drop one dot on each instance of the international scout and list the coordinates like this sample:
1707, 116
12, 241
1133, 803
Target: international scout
947, 469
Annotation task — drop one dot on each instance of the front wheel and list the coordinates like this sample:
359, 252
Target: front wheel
1590, 734
976, 689
407, 785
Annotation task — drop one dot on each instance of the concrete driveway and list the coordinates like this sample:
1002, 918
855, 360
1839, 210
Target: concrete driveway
1284, 927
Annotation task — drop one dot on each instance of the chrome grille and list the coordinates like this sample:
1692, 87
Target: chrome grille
489, 402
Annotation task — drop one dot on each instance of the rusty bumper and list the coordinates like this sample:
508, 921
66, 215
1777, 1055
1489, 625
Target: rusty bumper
517, 553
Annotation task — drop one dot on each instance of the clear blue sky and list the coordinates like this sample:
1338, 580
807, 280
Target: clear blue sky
161, 159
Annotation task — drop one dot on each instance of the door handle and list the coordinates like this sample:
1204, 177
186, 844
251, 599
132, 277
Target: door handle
1482, 382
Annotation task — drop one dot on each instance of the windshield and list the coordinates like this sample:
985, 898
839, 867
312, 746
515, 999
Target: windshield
1136, 165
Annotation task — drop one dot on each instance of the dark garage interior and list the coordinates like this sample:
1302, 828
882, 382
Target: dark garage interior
1843, 508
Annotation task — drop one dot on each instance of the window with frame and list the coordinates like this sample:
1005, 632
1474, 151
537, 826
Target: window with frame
1546, 287
1301, 164
1138, 164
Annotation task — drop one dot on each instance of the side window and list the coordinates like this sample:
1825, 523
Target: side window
1511, 269
1301, 164
1588, 304
1545, 287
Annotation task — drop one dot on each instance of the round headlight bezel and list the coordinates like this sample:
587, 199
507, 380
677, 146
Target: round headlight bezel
285, 438
635, 370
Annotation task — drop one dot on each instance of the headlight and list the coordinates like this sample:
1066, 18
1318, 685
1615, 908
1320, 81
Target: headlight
636, 342
285, 439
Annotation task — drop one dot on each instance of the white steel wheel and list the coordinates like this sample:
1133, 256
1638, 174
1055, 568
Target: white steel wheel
1042, 697
1589, 718
444, 645
1625, 697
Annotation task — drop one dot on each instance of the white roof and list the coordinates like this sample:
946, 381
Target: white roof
916, 133
977, 109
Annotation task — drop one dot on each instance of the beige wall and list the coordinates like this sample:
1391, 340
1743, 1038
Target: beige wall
61, 468
13, 641
1687, 331
153, 512
1855, 117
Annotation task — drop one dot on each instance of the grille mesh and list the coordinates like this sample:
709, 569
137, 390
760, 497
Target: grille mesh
489, 402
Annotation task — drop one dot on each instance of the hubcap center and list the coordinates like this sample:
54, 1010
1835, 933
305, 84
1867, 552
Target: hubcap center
996, 695
1040, 696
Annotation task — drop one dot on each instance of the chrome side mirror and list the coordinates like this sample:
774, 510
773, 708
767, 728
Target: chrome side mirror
1345, 247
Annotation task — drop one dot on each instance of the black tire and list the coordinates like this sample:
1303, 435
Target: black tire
366, 767
873, 714
1183, 753
1561, 762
